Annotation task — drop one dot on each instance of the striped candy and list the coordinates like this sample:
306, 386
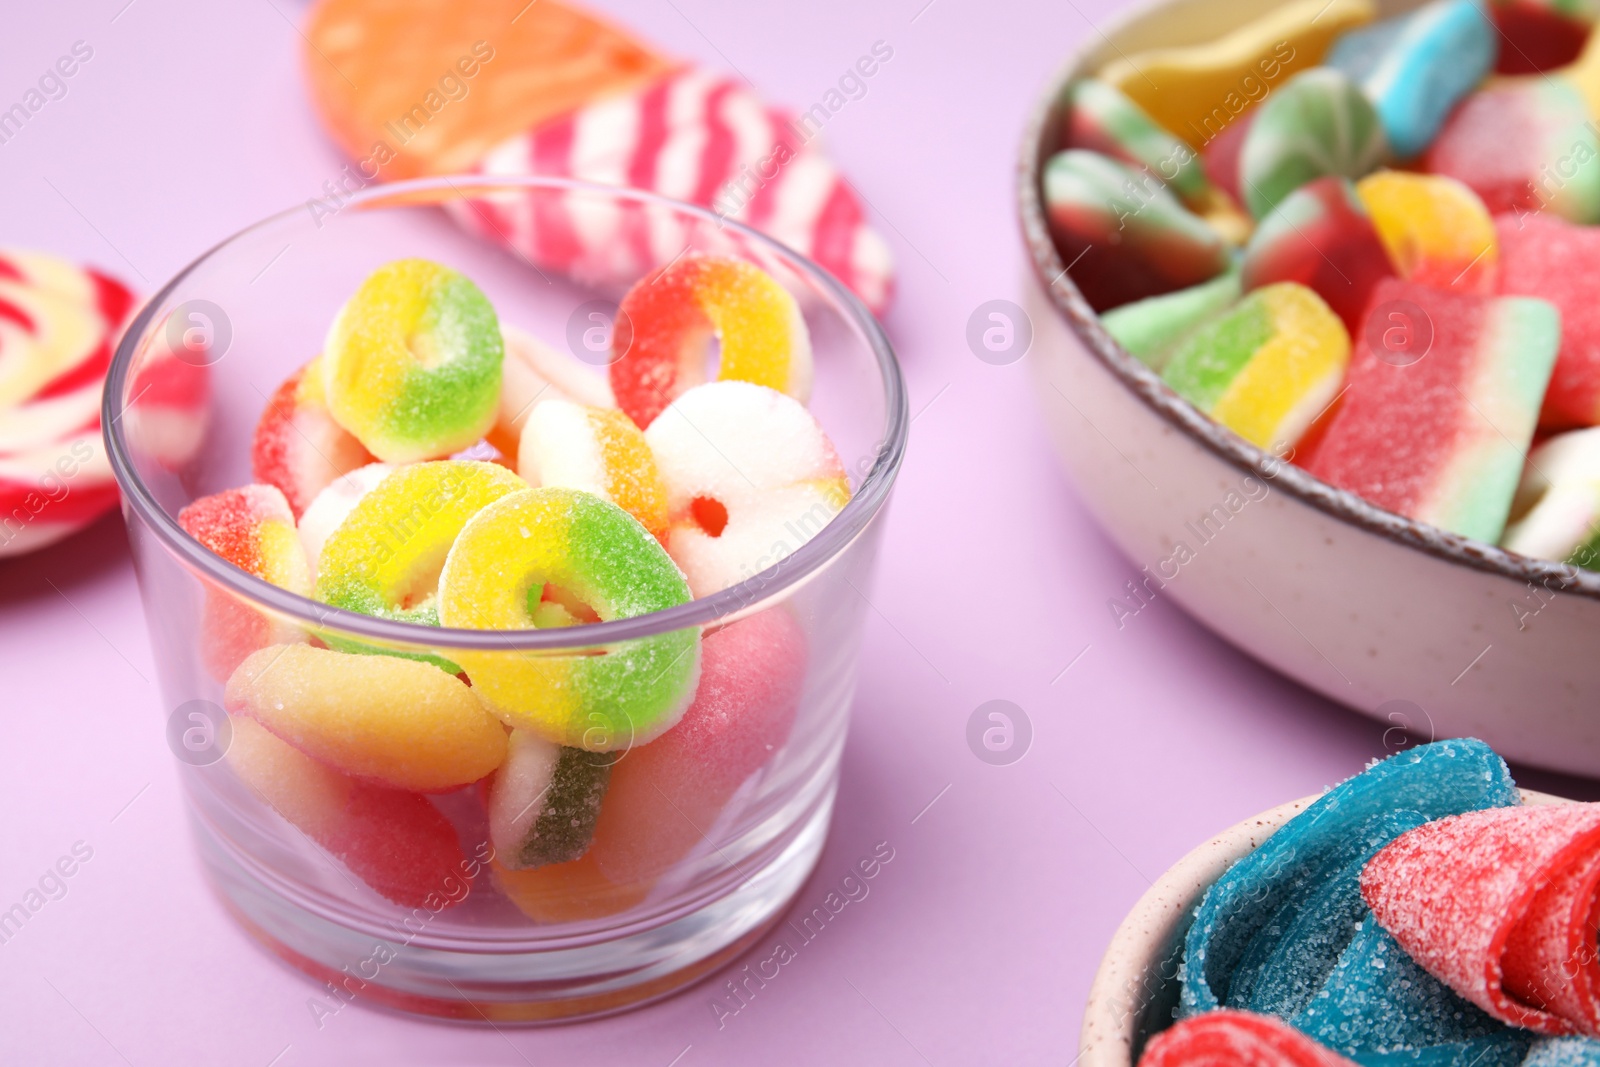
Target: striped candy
1267, 368
58, 325
695, 136
1440, 437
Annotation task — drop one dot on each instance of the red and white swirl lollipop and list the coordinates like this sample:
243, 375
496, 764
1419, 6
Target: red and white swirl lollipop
58, 326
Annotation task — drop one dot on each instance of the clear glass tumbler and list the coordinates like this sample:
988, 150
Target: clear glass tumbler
398, 898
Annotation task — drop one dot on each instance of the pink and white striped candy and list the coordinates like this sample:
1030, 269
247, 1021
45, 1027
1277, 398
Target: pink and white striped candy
696, 136
58, 325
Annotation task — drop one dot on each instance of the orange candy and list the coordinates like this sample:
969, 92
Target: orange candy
598, 450
413, 87
1435, 229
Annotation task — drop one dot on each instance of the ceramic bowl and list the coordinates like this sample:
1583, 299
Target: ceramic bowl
1426, 630
1136, 988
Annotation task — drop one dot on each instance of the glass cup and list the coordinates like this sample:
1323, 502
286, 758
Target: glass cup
401, 898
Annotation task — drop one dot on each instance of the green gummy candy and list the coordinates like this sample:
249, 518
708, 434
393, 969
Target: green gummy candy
1151, 328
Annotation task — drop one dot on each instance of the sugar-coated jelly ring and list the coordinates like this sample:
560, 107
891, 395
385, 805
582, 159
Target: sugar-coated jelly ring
384, 558
412, 362
493, 579
750, 476
668, 317
598, 450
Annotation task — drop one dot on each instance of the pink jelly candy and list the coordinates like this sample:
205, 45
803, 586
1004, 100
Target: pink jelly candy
1321, 236
396, 842
252, 528
1228, 1038
665, 796
298, 447
1547, 257
1500, 905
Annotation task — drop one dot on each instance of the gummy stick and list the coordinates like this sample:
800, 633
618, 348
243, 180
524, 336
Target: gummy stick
1288, 962
1440, 405
1525, 146
1377, 999
1415, 67
1502, 906
1550, 258
1433, 780
1268, 367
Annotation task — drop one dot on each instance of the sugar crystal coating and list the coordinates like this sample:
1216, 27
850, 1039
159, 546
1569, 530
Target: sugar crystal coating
412, 362
1267, 367
497, 572
1440, 405
396, 842
1500, 905
750, 477
393, 722
1433, 780
666, 320
297, 446
253, 528
664, 796
1236, 1039
1547, 257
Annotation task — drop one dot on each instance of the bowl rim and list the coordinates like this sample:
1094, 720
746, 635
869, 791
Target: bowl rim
1049, 273
750, 594
1106, 1038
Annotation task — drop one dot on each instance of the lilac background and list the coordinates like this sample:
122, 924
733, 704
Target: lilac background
977, 943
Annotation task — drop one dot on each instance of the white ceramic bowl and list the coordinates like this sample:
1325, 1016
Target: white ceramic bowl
1362, 605
1136, 987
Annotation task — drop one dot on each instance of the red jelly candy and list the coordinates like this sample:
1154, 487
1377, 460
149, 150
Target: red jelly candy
1322, 237
1236, 1039
1500, 905
1548, 257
